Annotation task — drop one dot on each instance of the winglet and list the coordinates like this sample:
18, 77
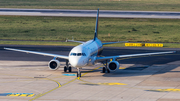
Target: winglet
96, 27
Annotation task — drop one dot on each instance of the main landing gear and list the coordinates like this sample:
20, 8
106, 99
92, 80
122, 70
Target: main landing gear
105, 68
67, 67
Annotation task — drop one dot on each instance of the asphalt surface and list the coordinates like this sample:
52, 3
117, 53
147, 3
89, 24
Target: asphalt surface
26, 77
89, 13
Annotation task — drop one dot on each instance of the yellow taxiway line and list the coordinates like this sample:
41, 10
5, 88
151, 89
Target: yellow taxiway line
39, 95
59, 85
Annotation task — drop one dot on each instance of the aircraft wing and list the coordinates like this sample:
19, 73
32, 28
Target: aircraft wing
114, 42
39, 53
74, 41
131, 55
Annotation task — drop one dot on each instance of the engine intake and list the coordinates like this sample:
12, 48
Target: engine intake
54, 64
113, 65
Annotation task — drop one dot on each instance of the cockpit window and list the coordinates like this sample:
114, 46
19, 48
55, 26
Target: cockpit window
78, 54
73, 54
83, 54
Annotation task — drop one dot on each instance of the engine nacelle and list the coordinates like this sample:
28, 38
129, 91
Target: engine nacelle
113, 65
54, 64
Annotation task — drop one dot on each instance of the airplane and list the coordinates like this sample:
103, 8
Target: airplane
87, 53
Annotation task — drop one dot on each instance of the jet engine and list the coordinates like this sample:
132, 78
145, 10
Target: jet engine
54, 64
113, 65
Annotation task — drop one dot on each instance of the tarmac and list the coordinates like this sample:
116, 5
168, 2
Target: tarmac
26, 77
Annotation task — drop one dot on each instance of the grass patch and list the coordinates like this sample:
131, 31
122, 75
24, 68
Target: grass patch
82, 29
146, 5
38, 43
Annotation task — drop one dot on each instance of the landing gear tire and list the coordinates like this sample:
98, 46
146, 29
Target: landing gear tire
70, 69
65, 69
104, 70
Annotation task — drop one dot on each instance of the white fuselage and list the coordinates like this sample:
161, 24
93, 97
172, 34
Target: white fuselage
85, 54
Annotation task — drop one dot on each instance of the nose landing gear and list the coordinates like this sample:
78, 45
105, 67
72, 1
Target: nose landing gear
79, 72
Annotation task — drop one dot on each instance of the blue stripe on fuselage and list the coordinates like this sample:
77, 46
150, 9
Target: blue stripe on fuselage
95, 42
100, 47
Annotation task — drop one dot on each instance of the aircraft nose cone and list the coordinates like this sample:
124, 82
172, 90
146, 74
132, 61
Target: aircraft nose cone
76, 62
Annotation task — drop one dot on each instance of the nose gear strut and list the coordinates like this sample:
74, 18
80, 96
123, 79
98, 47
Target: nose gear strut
79, 72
